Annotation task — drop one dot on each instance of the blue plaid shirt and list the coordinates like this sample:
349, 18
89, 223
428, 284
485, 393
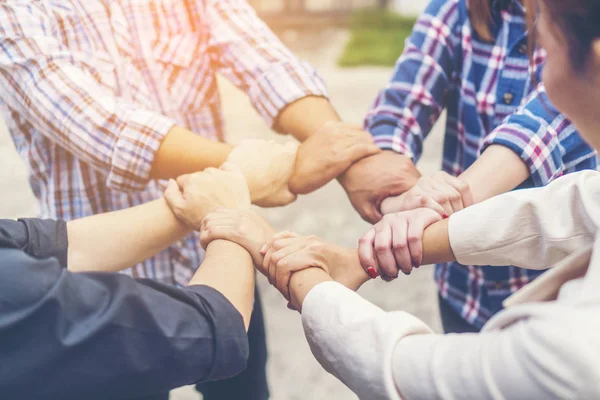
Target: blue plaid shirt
490, 99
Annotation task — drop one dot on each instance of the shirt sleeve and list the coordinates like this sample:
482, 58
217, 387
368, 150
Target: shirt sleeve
59, 93
254, 59
542, 357
405, 111
110, 335
39, 238
354, 340
532, 228
545, 139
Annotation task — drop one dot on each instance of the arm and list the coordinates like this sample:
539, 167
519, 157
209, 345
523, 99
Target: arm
287, 93
404, 112
133, 338
57, 93
542, 138
114, 241
394, 355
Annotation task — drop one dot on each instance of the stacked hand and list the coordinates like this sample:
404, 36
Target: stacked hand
373, 179
441, 192
276, 256
193, 196
268, 167
395, 243
329, 153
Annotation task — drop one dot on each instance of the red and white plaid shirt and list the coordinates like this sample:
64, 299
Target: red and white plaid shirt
90, 88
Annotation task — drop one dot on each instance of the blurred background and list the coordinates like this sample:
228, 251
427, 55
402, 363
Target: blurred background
354, 45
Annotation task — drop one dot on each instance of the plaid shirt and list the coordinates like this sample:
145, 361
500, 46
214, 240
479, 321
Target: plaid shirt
90, 88
490, 99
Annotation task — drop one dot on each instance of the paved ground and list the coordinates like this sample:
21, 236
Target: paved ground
293, 373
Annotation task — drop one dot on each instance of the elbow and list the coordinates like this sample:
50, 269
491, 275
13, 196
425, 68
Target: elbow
231, 358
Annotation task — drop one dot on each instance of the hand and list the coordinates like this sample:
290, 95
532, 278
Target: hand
395, 243
193, 196
328, 153
371, 180
268, 167
441, 192
287, 253
244, 227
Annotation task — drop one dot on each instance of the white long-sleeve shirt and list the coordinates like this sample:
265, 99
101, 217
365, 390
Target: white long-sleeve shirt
545, 345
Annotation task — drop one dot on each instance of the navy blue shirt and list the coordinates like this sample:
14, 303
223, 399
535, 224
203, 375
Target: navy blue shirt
103, 335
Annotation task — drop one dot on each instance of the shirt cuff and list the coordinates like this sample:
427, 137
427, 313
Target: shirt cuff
539, 151
134, 151
46, 239
355, 340
282, 84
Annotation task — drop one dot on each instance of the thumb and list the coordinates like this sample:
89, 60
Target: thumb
361, 150
173, 195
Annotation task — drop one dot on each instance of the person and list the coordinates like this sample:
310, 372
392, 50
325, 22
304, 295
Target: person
106, 99
543, 345
502, 133
72, 328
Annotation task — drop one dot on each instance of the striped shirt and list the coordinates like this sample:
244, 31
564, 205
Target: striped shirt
89, 89
490, 99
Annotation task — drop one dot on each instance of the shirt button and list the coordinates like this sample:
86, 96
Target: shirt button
523, 48
508, 98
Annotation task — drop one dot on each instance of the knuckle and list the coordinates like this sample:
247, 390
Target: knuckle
413, 239
381, 247
400, 246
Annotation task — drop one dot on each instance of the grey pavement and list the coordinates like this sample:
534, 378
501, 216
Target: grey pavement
293, 372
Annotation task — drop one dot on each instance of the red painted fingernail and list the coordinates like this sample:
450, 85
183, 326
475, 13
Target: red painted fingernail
416, 266
372, 273
444, 215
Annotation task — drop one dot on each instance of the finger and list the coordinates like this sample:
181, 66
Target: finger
183, 180
442, 199
292, 247
173, 195
275, 237
400, 244
426, 201
415, 231
383, 250
463, 188
452, 194
359, 151
366, 254
273, 247
290, 264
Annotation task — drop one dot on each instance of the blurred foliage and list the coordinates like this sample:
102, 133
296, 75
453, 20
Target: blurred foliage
378, 38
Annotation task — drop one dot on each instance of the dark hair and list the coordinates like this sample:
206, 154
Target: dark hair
579, 22
481, 18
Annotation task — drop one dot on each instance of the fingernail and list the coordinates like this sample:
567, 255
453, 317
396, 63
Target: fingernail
289, 306
416, 266
407, 273
444, 215
263, 249
372, 273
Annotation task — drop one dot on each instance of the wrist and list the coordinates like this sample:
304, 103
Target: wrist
347, 269
302, 282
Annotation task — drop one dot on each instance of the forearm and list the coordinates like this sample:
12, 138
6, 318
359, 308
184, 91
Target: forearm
436, 249
304, 117
114, 241
228, 268
507, 168
183, 152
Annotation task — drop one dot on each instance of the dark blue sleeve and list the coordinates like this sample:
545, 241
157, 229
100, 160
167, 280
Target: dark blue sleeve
108, 336
40, 238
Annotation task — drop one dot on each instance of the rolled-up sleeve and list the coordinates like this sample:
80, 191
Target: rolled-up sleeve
99, 336
255, 60
39, 238
546, 140
57, 92
405, 111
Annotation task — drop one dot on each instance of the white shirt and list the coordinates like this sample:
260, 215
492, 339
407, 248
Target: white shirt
544, 345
